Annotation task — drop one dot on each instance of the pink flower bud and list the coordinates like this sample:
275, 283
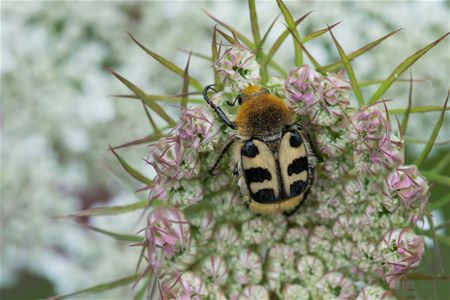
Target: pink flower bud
401, 250
369, 126
302, 85
335, 90
407, 185
197, 127
238, 66
167, 230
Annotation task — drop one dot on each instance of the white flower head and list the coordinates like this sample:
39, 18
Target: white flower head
247, 267
238, 66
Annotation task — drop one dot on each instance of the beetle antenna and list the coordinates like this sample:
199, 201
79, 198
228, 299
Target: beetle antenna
216, 108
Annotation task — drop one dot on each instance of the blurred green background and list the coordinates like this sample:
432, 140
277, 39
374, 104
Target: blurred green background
56, 118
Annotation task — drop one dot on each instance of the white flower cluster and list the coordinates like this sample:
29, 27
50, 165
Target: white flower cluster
238, 66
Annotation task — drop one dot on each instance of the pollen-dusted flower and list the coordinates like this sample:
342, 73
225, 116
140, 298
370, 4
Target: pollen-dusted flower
238, 66
345, 224
277, 87
330, 206
355, 191
342, 251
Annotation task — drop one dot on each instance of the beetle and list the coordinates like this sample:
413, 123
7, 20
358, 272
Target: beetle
272, 156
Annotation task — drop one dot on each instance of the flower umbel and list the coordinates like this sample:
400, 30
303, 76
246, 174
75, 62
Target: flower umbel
353, 238
244, 255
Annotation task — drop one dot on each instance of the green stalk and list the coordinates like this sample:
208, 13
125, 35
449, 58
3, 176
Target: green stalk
292, 27
254, 22
101, 287
436, 178
398, 71
112, 210
130, 170
349, 69
418, 109
434, 134
404, 124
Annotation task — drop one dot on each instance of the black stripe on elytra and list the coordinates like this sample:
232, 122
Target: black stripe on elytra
282, 193
297, 188
298, 165
257, 175
249, 149
295, 140
264, 196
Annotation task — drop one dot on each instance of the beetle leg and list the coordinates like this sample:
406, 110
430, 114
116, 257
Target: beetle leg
236, 170
314, 148
222, 154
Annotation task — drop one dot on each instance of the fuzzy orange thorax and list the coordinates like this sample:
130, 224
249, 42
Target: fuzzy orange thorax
251, 89
262, 114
